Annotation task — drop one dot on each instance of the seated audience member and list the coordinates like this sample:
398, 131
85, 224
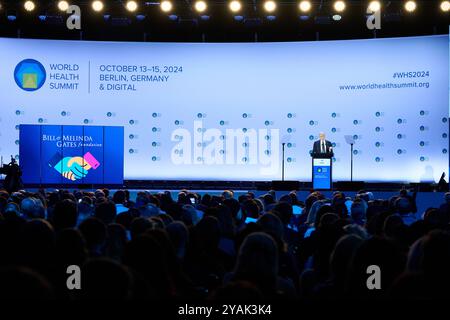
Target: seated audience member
272, 225
339, 206
24, 284
139, 225
99, 195
11, 209
204, 262
106, 193
435, 264
36, 245
174, 209
380, 252
145, 207
340, 260
85, 209
228, 194
32, 208
106, 211
235, 210
116, 238
395, 229
179, 236
250, 210
65, 215
315, 207
257, 263
284, 211
105, 279
94, 232
435, 219
70, 249
145, 257
412, 199
403, 207
268, 201
358, 212
125, 218
190, 215
444, 208
120, 200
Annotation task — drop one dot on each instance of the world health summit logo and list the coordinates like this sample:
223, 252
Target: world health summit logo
30, 75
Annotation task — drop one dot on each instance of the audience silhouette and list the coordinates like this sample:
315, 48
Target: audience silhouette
221, 247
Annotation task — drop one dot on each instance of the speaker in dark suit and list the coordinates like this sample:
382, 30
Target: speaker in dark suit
322, 147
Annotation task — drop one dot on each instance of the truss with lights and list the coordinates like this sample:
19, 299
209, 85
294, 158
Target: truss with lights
203, 9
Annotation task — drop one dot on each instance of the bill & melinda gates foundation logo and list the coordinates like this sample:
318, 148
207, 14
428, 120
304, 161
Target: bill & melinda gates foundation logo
30, 75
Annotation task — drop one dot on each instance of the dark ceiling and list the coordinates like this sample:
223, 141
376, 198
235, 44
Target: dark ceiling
116, 23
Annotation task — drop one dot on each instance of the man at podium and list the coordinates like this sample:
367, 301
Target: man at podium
322, 148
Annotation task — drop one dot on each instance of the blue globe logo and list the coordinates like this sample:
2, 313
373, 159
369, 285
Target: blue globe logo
30, 75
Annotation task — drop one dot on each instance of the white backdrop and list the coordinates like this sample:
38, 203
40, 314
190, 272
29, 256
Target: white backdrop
177, 101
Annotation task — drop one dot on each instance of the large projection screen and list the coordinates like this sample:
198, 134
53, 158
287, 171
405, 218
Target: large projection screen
220, 111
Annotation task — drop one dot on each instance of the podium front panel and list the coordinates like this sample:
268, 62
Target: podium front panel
321, 173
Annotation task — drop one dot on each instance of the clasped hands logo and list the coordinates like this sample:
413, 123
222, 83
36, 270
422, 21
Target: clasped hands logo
73, 168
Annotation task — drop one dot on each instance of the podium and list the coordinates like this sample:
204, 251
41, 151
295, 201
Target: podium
322, 166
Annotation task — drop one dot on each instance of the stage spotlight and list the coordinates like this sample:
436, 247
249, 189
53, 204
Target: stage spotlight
29, 5
270, 6
445, 6
63, 5
132, 6
339, 6
304, 6
166, 6
235, 6
200, 6
374, 6
97, 5
410, 6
